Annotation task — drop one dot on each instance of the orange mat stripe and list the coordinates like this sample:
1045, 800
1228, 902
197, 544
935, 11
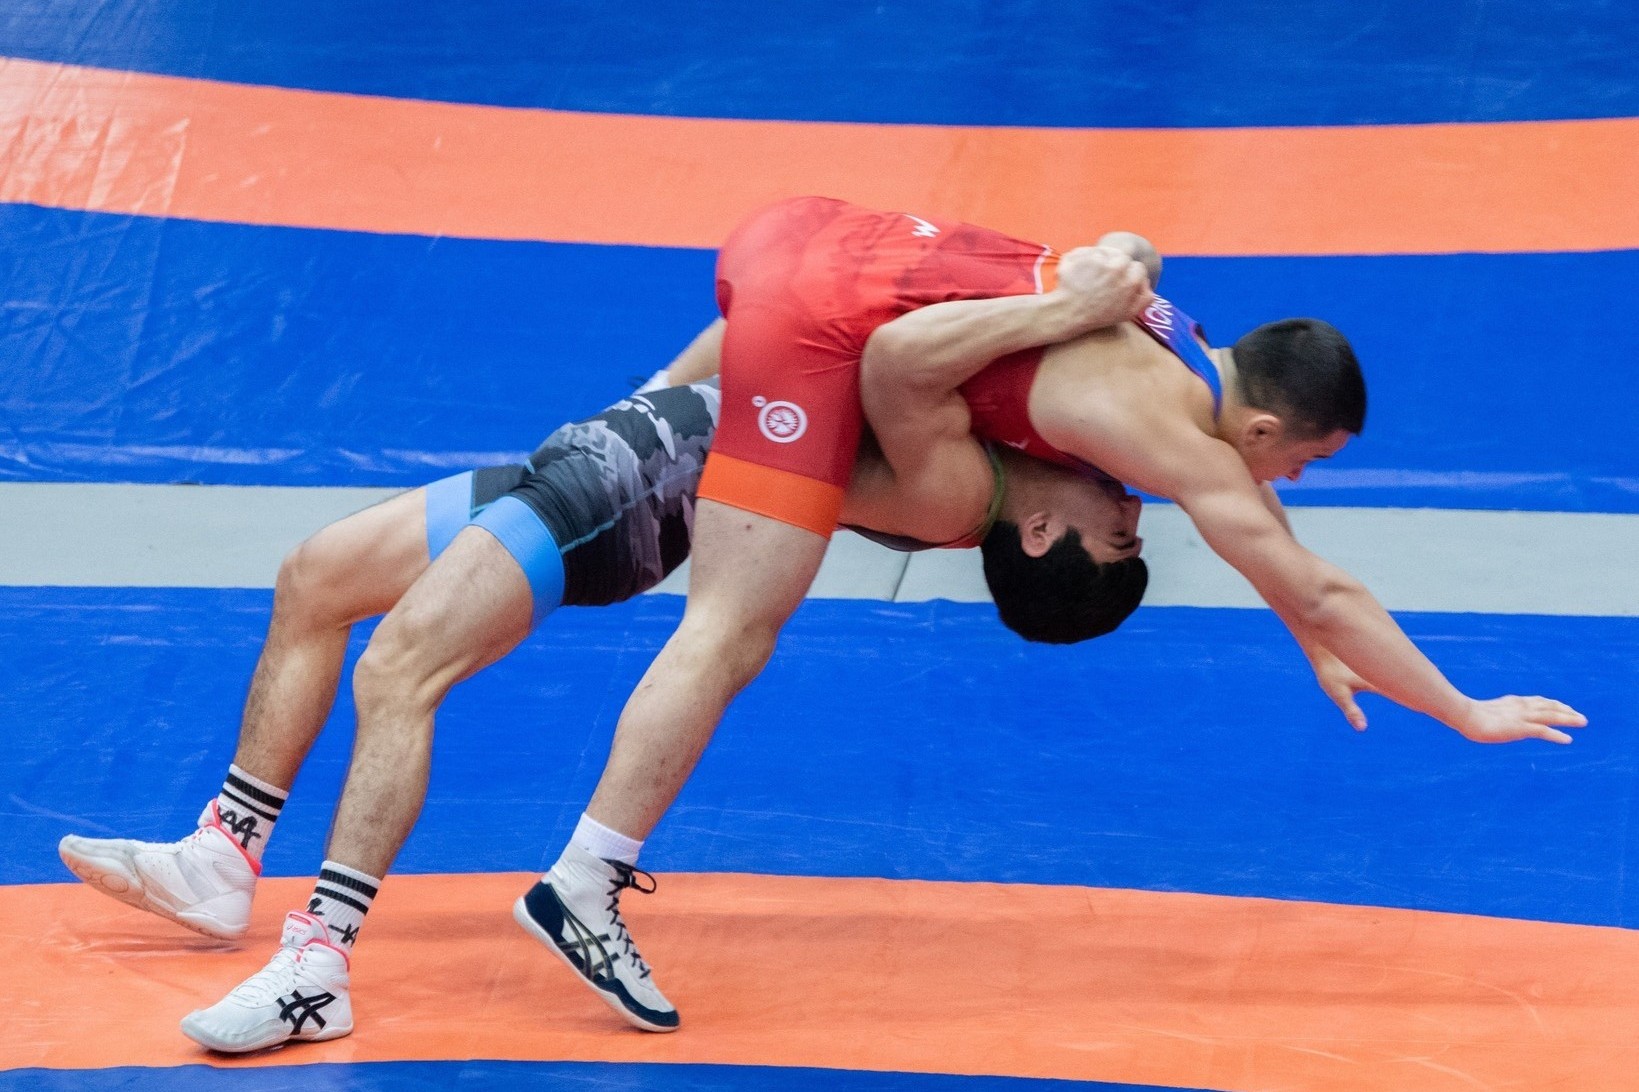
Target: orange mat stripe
1123, 986
112, 141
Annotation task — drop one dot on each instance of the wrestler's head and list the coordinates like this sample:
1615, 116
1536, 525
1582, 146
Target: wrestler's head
1062, 560
1297, 396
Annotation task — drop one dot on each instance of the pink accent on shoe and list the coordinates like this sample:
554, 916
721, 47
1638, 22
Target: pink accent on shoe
216, 821
324, 932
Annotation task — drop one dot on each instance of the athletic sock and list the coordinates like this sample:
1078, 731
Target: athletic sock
604, 843
248, 807
340, 899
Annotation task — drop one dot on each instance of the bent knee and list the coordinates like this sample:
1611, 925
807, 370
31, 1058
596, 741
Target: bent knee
413, 657
353, 569
739, 648
399, 661
313, 584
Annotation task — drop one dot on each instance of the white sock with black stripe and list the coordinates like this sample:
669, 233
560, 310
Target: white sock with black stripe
340, 899
248, 807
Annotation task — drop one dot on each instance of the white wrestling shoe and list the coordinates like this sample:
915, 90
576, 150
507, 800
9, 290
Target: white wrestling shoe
576, 914
204, 882
301, 996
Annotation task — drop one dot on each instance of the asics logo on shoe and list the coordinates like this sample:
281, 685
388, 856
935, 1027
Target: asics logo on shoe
624, 985
297, 1010
579, 948
241, 827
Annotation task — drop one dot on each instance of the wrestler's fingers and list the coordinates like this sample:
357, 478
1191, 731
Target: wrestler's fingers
1555, 712
1543, 732
1343, 698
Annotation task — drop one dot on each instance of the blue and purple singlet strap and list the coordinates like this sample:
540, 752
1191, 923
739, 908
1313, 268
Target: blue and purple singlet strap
1163, 321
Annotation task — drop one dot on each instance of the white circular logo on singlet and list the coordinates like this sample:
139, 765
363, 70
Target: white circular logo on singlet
782, 422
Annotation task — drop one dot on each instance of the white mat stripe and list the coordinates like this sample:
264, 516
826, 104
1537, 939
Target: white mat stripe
104, 535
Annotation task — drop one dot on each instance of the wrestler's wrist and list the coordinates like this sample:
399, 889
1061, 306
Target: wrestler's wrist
1064, 315
1462, 713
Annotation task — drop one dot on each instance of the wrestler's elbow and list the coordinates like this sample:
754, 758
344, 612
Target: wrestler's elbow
900, 356
887, 353
1325, 601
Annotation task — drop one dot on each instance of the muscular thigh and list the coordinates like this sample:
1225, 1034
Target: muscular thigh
748, 571
358, 567
469, 608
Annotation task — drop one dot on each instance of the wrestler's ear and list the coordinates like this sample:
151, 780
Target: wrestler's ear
1037, 532
1261, 430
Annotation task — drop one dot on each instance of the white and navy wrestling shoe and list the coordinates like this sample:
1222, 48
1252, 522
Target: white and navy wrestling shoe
575, 912
300, 996
204, 882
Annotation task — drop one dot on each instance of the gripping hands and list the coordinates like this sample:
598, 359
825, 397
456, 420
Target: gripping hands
1101, 286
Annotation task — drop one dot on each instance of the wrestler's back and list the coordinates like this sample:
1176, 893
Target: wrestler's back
1116, 361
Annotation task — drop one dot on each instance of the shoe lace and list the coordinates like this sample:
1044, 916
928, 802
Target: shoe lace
265, 986
627, 876
193, 840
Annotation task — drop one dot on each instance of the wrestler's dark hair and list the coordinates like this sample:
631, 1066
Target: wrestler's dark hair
1304, 371
1063, 596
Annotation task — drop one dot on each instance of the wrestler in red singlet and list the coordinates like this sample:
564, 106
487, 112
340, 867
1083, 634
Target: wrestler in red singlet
803, 284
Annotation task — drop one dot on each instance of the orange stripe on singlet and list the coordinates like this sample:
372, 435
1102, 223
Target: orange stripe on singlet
85, 138
791, 498
1032, 981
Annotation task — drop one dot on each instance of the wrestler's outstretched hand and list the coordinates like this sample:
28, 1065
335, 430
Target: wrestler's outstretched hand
1504, 720
1103, 285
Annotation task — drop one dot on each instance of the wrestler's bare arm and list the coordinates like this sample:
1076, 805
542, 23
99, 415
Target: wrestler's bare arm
701, 359
913, 366
1336, 679
919, 418
1169, 456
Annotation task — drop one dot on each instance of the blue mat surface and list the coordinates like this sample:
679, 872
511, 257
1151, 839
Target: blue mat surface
166, 351
964, 62
601, 1077
1189, 752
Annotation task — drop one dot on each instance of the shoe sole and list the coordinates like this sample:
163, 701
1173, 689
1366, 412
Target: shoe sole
520, 914
111, 878
200, 1035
